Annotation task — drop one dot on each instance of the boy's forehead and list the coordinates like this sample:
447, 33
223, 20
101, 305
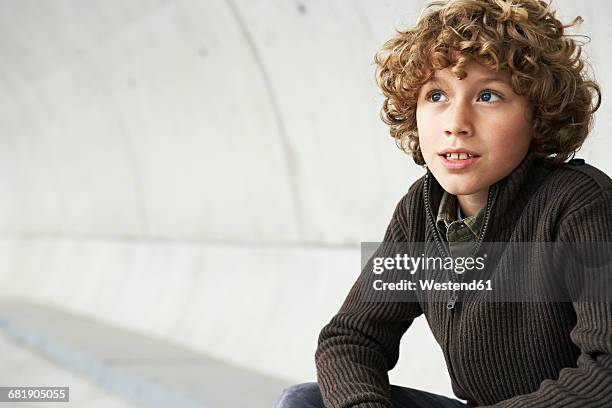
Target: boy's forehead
477, 80
475, 73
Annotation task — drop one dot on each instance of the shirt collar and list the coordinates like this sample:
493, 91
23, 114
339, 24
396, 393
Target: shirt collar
446, 211
447, 214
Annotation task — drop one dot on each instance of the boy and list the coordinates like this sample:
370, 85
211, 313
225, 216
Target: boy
490, 96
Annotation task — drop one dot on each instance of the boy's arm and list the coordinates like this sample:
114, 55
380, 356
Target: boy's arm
589, 384
360, 344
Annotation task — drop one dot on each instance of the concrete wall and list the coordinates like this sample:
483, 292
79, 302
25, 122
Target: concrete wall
203, 171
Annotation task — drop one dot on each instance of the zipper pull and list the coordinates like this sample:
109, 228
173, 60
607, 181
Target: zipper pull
451, 302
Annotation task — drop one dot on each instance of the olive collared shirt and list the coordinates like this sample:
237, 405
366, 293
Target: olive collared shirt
460, 234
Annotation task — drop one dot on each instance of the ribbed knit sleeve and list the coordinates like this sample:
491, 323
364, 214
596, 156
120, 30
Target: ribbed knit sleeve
360, 344
589, 384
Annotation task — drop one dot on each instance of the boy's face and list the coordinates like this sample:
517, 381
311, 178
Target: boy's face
476, 114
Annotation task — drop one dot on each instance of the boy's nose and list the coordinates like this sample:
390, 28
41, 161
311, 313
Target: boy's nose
458, 121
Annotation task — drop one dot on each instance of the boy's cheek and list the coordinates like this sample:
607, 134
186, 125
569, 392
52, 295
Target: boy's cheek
428, 154
427, 150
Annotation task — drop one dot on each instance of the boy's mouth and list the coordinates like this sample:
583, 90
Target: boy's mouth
458, 159
458, 154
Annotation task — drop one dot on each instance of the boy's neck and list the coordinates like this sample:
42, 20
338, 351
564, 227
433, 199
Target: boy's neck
471, 203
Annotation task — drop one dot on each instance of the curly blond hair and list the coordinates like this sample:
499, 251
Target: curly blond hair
521, 36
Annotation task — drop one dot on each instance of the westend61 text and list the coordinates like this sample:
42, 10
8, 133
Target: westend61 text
429, 284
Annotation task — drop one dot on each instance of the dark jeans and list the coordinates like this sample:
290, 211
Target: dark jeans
308, 395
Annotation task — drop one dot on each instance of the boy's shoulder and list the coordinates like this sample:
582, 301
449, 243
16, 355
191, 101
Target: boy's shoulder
411, 198
575, 184
591, 172
414, 195
579, 176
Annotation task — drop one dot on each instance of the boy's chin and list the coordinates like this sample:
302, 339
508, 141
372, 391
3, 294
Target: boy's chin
461, 189
460, 184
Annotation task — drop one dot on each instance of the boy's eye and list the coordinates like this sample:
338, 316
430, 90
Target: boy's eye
486, 96
434, 96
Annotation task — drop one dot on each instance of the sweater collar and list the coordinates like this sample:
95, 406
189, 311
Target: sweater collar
505, 199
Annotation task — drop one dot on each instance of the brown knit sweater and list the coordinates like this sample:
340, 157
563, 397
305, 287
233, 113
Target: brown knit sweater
504, 354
